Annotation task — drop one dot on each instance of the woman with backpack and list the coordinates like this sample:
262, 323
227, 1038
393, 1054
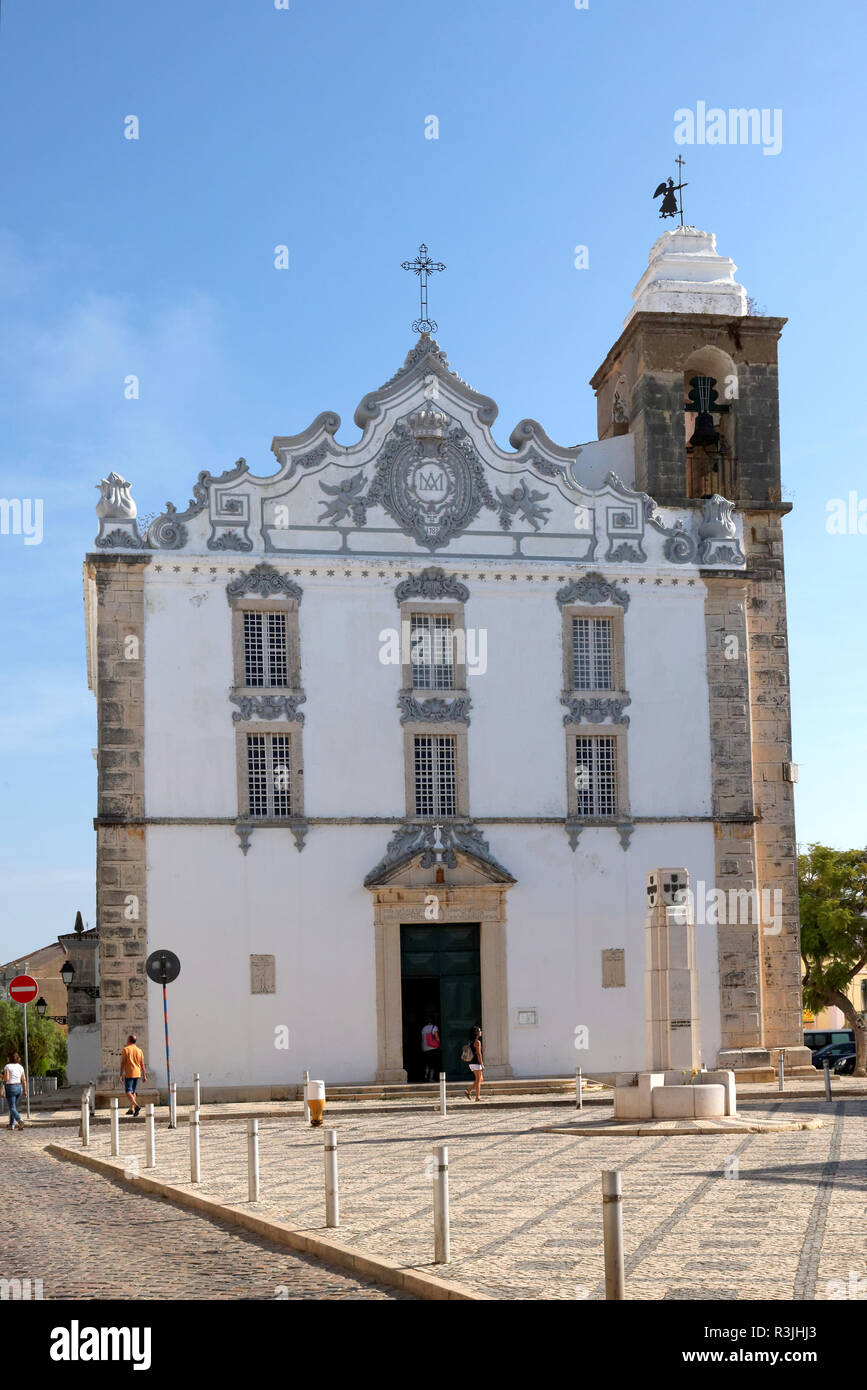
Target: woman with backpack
472, 1053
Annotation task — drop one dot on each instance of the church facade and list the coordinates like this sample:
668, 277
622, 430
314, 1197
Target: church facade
399, 730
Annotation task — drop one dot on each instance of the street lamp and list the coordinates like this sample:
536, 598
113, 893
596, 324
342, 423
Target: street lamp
41, 1007
67, 973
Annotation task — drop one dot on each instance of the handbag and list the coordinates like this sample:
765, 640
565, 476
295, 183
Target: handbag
467, 1053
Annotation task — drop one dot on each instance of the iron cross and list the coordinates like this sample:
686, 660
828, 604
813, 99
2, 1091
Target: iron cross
423, 267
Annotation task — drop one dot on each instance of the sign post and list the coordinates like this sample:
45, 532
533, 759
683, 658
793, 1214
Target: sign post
163, 967
24, 990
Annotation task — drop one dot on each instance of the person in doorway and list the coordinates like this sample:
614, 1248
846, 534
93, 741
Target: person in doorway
132, 1070
15, 1081
430, 1049
472, 1053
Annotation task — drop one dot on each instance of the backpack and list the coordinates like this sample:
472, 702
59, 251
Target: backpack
467, 1052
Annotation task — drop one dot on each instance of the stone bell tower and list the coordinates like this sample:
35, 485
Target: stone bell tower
693, 379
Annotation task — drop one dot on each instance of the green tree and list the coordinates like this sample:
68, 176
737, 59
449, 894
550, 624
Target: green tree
46, 1044
833, 902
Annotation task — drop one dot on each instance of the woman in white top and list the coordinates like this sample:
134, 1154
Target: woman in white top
16, 1086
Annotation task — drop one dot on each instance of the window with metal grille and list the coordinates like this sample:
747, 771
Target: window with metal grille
596, 776
435, 775
269, 775
592, 665
431, 651
265, 657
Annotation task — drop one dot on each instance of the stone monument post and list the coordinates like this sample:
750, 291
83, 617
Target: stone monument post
670, 977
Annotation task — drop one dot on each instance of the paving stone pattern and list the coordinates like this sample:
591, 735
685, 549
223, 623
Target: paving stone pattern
526, 1205
87, 1238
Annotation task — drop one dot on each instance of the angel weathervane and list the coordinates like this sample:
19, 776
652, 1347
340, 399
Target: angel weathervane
670, 206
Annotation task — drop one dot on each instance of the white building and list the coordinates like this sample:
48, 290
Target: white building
402, 727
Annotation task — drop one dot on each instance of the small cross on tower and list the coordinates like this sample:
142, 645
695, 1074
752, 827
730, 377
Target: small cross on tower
423, 267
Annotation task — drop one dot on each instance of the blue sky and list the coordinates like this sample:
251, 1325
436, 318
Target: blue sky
306, 127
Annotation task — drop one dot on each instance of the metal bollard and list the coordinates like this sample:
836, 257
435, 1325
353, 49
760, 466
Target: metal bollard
197, 1092
173, 1105
612, 1234
332, 1198
195, 1151
150, 1139
85, 1122
252, 1160
115, 1129
827, 1080
579, 1098
442, 1252
781, 1075
442, 1093
306, 1111
91, 1091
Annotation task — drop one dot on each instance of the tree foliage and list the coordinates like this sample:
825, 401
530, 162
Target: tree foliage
46, 1044
833, 904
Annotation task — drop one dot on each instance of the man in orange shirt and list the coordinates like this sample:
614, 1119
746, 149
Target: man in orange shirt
132, 1070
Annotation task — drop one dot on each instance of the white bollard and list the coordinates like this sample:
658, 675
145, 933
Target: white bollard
85, 1121
173, 1105
827, 1080
252, 1160
612, 1234
195, 1151
442, 1252
197, 1092
332, 1198
306, 1111
442, 1093
150, 1138
781, 1076
579, 1098
115, 1129
91, 1091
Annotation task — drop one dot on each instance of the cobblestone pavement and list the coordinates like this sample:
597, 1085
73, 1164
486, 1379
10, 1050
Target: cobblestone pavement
87, 1238
756, 1216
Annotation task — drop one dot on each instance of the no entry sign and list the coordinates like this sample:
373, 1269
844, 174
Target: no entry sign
23, 989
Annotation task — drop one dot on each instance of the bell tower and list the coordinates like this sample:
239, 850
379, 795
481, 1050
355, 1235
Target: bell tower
693, 379
693, 376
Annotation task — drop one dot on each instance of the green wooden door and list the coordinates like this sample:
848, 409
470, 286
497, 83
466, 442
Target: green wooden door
443, 958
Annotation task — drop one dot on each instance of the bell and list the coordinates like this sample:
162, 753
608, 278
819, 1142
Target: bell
705, 434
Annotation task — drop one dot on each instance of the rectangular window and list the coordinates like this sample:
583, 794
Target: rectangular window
265, 656
596, 775
431, 651
435, 775
269, 775
592, 665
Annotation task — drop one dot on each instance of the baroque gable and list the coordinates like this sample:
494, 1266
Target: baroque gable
427, 478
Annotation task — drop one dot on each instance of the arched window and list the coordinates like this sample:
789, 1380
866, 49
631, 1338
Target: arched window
710, 402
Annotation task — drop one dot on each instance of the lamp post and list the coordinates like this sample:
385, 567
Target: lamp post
41, 1007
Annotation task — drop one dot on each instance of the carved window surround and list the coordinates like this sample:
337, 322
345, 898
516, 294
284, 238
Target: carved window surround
243, 727
614, 614
618, 733
414, 729
455, 611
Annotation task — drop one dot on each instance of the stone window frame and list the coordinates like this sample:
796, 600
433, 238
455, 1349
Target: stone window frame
618, 732
288, 606
447, 607
420, 728
614, 612
292, 728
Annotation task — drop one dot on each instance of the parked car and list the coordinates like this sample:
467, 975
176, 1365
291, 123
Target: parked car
845, 1066
815, 1038
833, 1053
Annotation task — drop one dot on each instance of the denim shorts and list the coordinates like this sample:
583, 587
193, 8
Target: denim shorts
130, 1083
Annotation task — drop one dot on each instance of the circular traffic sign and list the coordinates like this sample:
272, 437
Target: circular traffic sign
23, 989
163, 967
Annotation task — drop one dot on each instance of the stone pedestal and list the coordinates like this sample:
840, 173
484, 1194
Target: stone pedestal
671, 976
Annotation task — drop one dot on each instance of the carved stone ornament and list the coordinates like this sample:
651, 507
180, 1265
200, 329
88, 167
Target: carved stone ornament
243, 833
124, 540
718, 543
265, 581
592, 588
115, 502
268, 707
583, 710
435, 711
436, 843
167, 532
521, 501
230, 540
433, 488
431, 583
573, 830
